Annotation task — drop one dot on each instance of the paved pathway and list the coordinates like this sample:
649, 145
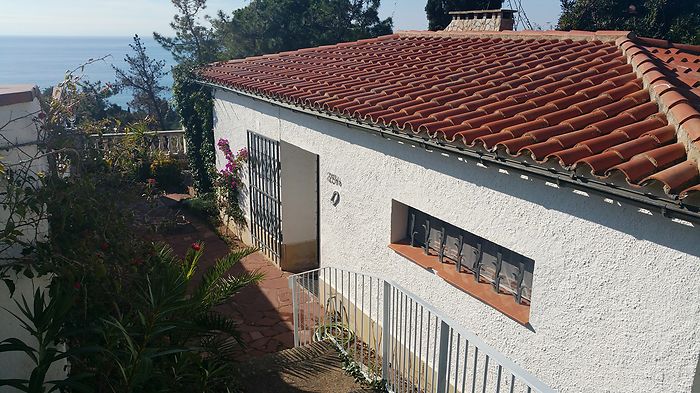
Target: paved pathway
264, 316
310, 369
263, 311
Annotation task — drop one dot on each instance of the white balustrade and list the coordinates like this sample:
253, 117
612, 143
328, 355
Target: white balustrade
171, 142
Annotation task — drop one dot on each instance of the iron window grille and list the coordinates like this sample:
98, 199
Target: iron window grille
489, 263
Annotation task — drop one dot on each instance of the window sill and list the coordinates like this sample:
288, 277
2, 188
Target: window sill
464, 281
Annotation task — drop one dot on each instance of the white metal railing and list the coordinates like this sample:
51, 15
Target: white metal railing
395, 336
171, 142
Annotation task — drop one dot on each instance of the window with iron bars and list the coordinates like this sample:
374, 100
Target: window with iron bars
488, 263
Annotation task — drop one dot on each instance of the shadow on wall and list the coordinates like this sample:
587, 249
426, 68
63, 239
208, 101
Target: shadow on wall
696, 381
611, 213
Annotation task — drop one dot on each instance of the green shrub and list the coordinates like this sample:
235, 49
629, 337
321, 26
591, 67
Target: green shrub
168, 173
204, 205
194, 104
173, 338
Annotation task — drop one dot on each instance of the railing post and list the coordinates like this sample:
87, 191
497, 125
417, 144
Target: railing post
442, 357
386, 330
295, 309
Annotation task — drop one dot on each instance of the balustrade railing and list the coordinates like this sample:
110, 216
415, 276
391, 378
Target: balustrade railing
171, 142
394, 336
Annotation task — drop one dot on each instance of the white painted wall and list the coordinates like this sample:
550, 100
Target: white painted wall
616, 292
21, 133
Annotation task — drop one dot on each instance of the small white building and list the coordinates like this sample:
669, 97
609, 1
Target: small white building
556, 173
19, 149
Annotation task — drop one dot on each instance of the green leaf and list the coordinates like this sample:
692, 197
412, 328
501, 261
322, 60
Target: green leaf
169, 352
79, 351
16, 345
20, 384
211, 279
10, 285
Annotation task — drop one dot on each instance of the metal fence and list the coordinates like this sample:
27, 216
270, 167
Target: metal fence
395, 336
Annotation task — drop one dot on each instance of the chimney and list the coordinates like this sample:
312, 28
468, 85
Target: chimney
484, 20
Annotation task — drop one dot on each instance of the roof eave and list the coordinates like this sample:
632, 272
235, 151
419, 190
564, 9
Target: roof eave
670, 208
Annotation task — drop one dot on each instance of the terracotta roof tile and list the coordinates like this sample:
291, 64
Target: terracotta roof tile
676, 178
591, 102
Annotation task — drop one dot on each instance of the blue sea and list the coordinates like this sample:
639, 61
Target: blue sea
43, 61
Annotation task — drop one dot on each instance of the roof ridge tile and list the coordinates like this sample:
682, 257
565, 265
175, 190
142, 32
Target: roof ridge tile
666, 93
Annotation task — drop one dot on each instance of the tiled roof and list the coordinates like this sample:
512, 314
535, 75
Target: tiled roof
605, 105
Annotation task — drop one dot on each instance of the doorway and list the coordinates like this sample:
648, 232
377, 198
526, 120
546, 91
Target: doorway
299, 208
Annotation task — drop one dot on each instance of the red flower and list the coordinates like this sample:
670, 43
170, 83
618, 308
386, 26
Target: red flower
151, 182
196, 246
104, 246
137, 261
77, 285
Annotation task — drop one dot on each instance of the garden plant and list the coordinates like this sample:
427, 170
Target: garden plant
127, 314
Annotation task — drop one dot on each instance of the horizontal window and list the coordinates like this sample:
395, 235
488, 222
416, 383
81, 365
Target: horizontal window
467, 261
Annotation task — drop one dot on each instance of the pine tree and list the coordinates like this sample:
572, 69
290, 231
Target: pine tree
143, 79
674, 20
270, 26
193, 43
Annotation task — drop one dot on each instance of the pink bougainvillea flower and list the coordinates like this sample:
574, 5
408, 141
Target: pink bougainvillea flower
196, 246
77, 285
151, 182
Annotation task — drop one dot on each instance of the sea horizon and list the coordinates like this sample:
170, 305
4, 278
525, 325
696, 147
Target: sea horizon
44, 60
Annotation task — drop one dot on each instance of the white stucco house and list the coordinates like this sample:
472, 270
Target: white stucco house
540, 188
20, 146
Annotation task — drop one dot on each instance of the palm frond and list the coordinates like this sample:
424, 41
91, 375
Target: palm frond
165, 254
218, 324
222, 347
215, 273
226, 287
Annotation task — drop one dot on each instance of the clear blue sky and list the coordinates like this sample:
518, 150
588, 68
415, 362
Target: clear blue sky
126, 17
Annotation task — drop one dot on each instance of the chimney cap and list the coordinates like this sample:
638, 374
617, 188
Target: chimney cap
482, 20
480, 11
